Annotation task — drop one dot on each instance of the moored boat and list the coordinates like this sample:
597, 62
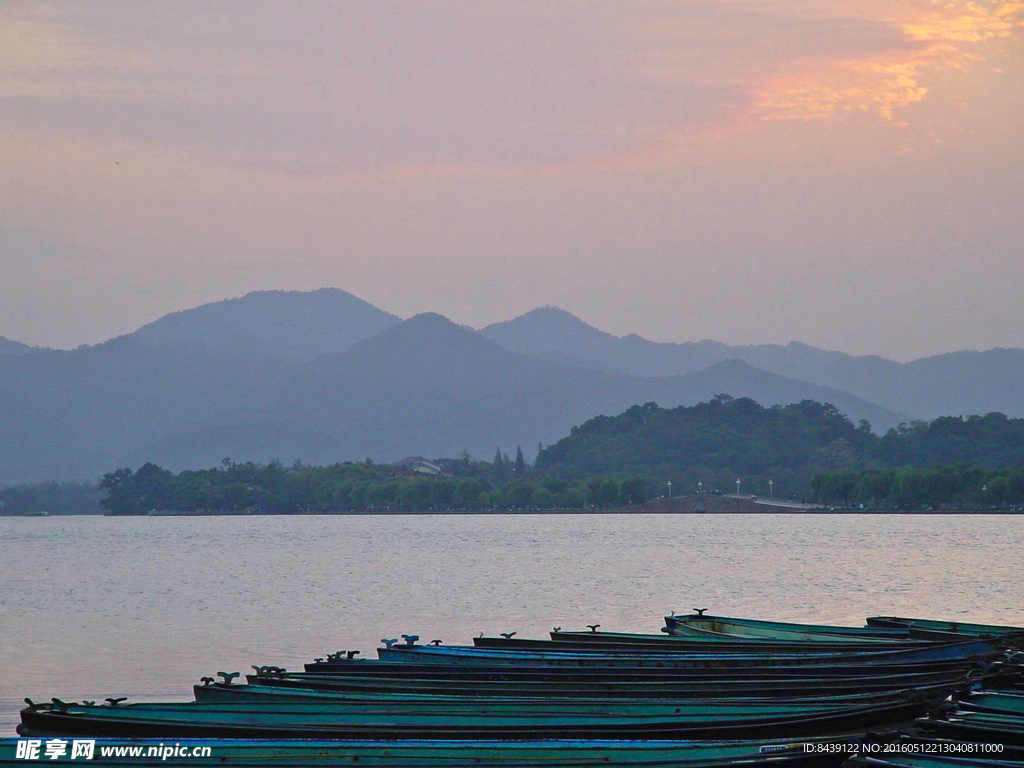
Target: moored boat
762, 681
714, 641
959, 627
981, 727
556, 686
1004, 702
479, 667
479, 753
306, 721
707, 625
219, 692
975, 649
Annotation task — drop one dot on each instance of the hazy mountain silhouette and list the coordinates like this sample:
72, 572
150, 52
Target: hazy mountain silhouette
428, 386
769, 388
324, 376
75, 414
11, 347
954, 383
549, 330
293, 325
959, 383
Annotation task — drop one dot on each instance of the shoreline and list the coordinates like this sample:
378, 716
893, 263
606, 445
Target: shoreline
776, 510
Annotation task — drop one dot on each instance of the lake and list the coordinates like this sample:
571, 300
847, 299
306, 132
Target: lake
92, 607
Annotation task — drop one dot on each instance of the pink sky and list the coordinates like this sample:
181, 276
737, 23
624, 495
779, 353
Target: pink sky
847, 173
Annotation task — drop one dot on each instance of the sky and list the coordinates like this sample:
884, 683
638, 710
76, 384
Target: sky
846, 173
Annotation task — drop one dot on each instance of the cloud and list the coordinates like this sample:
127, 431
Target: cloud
370, 85
970, 22
937, 36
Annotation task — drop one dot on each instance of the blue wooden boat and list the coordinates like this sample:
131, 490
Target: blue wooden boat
479, 668
700, 639
220, 692
498, 709
555, 685
195, 720
975, 649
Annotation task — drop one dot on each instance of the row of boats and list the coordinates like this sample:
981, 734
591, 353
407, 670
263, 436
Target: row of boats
707, 691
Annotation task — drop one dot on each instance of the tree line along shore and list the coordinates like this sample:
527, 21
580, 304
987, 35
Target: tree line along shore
806, 451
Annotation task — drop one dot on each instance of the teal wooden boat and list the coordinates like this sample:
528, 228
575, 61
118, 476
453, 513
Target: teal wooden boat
320, 721
479, 667
1000, 702
982, 727
665, 688
456, 754
734, 632
932, 652
220, 692
959, 627
516, 667
704, 625
695, 638
697, 710
587, 642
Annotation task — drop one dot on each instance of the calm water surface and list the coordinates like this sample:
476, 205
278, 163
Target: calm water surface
143, 607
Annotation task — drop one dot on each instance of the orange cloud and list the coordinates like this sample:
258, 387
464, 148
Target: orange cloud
937, 37
970, 22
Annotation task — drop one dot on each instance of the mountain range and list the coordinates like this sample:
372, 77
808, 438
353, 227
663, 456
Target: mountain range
324, 376
949, 384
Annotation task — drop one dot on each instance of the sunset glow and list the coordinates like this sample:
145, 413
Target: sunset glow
513, 154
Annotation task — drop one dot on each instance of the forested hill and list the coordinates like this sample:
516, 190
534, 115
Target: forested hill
726, 439
807, 450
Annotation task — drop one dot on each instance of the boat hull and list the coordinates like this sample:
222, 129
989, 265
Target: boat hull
972, 650
481, 754
77, 721
958, 627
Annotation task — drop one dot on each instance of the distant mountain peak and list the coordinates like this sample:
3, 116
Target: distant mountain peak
428, 325
291, 325
427, 330
550, 310
549, 313
559, 329
431, 320
327, 292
